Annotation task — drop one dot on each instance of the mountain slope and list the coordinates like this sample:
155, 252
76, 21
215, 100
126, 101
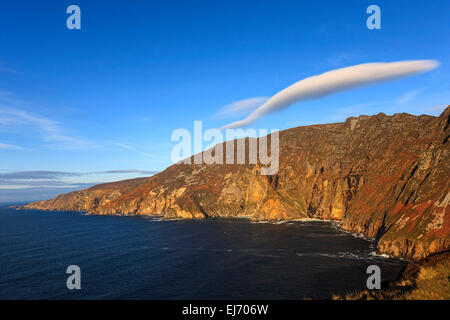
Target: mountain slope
383, 176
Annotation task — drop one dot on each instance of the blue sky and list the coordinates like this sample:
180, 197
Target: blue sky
107, 97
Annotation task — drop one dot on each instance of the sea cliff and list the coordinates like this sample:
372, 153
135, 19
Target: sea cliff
387, 177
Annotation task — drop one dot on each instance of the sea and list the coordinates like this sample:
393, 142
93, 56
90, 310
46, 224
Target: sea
140, 257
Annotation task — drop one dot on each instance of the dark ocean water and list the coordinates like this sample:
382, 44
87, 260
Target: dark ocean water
143, 258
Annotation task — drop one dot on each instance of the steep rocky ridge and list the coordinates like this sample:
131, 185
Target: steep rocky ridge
386, 177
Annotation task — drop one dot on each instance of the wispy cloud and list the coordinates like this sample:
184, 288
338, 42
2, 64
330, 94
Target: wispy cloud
44, 184
149, 172
335, 81
4, 68
51, 131
408, 96
11, 147
240, 107
435, 109
341, 59
62, 179
131, 148
145, 119
43, 174
351, 111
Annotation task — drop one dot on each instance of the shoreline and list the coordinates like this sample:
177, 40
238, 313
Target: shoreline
337, 224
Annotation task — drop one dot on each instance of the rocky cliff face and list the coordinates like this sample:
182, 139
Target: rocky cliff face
384, 176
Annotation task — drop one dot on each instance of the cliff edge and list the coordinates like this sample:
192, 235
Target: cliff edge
386, 177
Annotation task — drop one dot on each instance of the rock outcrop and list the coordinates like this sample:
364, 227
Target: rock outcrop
386, 177
426, 279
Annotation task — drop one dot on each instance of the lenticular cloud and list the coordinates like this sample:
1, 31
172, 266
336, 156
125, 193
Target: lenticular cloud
335, 81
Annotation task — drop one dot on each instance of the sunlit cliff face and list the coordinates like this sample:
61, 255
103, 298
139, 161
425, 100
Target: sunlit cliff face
384, 176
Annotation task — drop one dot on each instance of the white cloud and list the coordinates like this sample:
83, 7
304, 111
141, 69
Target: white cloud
131, 148
10, 147
408, 96
435, 109
240, 107
342, 58
20, 186
65, 179
50, 130
335, 81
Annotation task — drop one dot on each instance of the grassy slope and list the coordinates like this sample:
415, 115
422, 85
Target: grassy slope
428, 279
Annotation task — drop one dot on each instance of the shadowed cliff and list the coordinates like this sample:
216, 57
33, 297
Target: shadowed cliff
384, 176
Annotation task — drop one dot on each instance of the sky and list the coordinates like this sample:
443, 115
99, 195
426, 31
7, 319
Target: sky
79, 107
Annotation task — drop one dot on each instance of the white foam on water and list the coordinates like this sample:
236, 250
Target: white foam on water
380, 255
